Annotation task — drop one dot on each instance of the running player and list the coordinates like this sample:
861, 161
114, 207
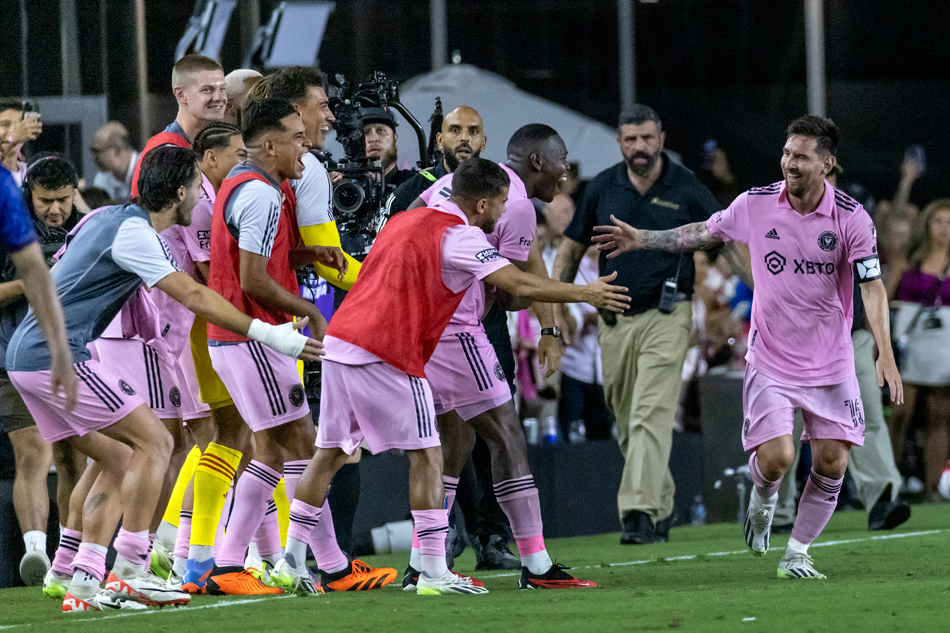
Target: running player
373, 381
110, 255
808, 243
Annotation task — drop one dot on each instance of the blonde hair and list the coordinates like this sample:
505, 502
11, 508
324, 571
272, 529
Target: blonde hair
190, 65
921, 242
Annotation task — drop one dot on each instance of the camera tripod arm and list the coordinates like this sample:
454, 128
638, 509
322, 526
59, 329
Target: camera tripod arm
416, 126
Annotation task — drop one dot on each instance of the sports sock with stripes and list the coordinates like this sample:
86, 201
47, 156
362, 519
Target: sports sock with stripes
133, 547
267, 537
303, 518
763, 487
518, 499
818, 502
213, 477
254, 489
90, 558
432, 526
330, 558
451, 485
173, 509
68, 546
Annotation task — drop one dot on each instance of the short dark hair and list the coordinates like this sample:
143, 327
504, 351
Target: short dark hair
477, 179
9, 104
823, 130
290, 82
164, 170
530, 135
639, 114
215, 135
264, 115
50, 172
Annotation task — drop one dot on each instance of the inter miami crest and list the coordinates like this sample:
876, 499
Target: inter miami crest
126, 388
175, 396
499, 372
296, 395
827, 241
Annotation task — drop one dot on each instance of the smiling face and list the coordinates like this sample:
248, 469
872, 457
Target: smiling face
554, 168
804, 166
316, 115
204, 97
53, 206
290, 145
641, 146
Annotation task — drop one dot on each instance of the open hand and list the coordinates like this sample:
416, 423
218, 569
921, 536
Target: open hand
549, 353
601, 294
616, 239
26, 129
312, 349
64, 382
887, 372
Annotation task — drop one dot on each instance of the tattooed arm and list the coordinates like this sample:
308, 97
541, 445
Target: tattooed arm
622, 237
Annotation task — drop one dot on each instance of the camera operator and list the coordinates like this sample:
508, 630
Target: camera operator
462, 137
379, 128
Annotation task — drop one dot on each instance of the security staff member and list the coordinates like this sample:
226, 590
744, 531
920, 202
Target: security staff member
642, 350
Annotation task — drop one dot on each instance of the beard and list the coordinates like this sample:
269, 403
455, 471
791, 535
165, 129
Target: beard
451, 159
642, 169
489, 228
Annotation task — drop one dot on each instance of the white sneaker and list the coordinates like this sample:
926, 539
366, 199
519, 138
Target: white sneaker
798, 566
758, 523
102, 601
33, 567
447, 583
148, 590
294, 581
55, 584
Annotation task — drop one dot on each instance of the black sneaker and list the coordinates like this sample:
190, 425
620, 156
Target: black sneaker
554, 578
638, 529
493, 553
662, 529
887, 514
410, 579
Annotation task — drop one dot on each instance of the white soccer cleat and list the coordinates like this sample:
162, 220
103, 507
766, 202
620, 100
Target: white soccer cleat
294, 581
102, 601
758, 523
161, 561
447, 583
33, 567
55, 584
148, 590
798, 566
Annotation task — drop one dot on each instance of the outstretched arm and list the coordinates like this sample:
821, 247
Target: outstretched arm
599, 293
622, 237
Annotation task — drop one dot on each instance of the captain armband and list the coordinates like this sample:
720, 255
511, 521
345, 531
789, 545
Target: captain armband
867, 269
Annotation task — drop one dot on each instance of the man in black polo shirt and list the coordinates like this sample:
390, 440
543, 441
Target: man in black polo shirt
643, 349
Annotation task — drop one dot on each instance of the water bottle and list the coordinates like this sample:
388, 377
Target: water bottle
697, 511
550, 434
577, 432
531, 430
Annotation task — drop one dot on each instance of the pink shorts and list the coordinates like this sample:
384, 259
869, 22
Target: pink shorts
466, 376
192, 408
376, 402
146, 370
833, 413
263, 383
104, 399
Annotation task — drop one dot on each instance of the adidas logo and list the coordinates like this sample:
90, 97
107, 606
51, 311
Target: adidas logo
772, 235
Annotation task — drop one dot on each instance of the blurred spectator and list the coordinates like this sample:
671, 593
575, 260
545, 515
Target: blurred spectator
96, 197
115, 157
716, 174
893, 240
16, 128
921, 327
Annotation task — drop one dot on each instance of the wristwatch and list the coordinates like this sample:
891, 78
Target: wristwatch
551, 331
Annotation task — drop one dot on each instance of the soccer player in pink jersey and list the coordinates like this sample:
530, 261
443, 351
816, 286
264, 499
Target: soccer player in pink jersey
808, 242
468, 384
420, 267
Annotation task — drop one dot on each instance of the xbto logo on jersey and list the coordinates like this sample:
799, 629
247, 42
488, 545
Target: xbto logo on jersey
804, 267
774, 262
827, 241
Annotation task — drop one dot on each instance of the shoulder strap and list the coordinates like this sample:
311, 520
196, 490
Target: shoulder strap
428, 175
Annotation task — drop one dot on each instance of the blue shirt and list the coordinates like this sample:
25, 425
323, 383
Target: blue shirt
16, 227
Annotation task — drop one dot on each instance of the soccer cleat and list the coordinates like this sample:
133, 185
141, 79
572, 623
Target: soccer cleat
447, 583
102, 601
554, 578
264, 572
411, 578
161, 561
55, 585
237, 581
292, 581
358, 577
758, 523
148, 590
195, 578
33, 567
798, 566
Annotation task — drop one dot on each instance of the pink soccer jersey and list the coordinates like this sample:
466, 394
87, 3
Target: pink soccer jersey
512, 237
803, 267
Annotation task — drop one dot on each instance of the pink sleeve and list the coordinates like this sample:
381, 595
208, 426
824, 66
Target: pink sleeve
732, 224
442, 186
515, 231
197, 237
862, 236
467, 256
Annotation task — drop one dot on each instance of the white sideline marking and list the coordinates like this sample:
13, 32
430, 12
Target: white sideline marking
231, 603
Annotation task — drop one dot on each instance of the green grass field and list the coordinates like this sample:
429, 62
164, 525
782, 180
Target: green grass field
703, 580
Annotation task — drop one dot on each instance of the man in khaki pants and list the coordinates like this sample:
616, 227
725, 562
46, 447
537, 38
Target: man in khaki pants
643, 349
